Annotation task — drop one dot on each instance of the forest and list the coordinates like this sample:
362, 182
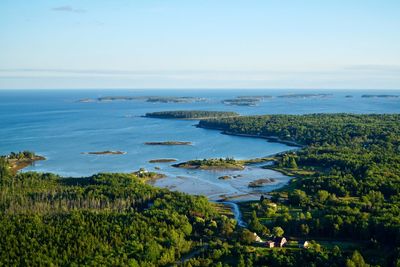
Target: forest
105, 219
347, 178
343, 199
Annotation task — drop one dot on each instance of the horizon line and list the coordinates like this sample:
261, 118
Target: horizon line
201, 88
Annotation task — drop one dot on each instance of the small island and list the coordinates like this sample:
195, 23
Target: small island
255, 96
241, 101
169, 143
162, 160
305, 96
20, 160
261, 182
212, 164
107, 152
380, 96
171, 99
152, 99
190, 114
245, 100
225, 177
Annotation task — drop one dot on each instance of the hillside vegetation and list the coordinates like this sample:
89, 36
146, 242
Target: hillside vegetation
347, 183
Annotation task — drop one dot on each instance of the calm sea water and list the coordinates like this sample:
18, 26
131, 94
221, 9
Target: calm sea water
54, 124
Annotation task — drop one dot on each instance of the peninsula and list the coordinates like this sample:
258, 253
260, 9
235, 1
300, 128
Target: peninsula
20, 160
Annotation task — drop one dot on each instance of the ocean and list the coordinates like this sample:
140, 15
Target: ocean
55, 124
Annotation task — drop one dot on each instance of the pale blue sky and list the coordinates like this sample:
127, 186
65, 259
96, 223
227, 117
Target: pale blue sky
200, 44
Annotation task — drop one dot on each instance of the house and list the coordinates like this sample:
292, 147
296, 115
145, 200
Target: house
304, 244
257, 238
280, 242
270, 244
277, 242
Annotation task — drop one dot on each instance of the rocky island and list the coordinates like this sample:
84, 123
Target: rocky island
169, 143
261, 182
107, 152
161, 160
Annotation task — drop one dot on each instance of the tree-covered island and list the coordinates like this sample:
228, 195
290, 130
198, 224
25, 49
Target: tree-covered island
220, 163
190, 114
168, 143
212, 164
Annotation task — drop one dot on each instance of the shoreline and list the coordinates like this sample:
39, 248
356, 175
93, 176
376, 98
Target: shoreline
273, 139
17, 165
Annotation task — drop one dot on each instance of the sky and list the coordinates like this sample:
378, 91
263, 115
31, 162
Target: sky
307, 44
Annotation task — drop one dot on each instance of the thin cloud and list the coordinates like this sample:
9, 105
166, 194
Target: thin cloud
68, 9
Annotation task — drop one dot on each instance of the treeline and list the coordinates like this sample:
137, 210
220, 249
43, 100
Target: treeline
118, 220
20, 155
315, 129
105, 219
347, 181
190, 114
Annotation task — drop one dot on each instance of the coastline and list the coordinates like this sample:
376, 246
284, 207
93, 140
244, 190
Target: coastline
273, 139
17, 165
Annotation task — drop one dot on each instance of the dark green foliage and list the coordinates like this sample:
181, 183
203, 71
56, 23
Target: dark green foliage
353, 186
21, 155
4, 171
110, 219
347, 188
190, 114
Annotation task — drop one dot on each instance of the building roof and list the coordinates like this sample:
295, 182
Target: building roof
279, 239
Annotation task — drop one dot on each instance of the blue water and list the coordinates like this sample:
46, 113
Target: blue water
54, 124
